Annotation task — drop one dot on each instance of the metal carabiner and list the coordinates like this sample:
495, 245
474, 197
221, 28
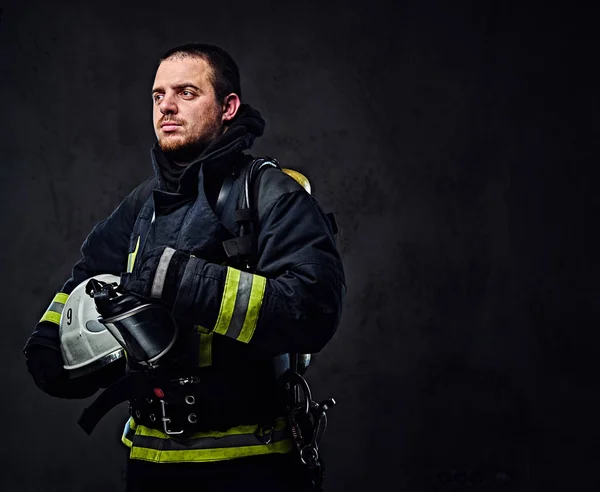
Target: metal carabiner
312, 460
295, 381
309, 453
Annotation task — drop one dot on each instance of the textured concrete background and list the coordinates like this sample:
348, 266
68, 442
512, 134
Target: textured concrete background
457, 145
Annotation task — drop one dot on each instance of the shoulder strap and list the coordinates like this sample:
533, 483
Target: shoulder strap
241, 250
223, 195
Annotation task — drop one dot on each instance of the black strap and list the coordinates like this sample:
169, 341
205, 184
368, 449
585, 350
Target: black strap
244, 215
126, 388
223, 195
333, 222
242, 248
238, 247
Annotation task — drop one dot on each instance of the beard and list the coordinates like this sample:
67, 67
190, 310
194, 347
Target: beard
182, 151
184, 148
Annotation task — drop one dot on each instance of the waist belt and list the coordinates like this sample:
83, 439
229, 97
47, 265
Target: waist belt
187, 405
183, 407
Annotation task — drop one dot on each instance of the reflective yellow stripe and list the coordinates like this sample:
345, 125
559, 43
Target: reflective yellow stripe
60, 297
205, 355
240, 306
256, 298
206, 455
52, 317
232, 281
201, 329
156, 446
131, 257
55, 308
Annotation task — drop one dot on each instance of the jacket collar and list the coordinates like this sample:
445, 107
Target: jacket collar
247, 125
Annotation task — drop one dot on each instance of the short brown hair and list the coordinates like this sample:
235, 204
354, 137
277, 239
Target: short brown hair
225, 73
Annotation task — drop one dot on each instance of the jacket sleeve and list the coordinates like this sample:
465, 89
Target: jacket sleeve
103, 251
293, 301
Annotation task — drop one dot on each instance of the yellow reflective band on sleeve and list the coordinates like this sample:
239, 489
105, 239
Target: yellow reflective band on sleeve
52, 317
232, 281
205, 355
256, 298
55, 308
61, 298
245, 440
132, 255
240, 307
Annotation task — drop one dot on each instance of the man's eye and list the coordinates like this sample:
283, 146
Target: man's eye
186, 93
157, 97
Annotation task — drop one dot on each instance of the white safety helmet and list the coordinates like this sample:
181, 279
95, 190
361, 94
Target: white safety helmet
85, 343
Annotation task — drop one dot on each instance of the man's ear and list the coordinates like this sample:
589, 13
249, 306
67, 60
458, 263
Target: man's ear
231, 105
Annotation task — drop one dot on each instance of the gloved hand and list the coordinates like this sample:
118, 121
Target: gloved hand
45, 364
158, 276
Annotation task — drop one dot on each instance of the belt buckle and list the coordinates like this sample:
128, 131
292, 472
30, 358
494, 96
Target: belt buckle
165, 420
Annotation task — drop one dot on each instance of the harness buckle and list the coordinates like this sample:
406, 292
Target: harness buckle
166, 420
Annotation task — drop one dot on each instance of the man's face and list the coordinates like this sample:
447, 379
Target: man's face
186, 113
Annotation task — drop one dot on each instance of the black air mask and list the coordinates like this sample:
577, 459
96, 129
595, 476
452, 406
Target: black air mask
146, 331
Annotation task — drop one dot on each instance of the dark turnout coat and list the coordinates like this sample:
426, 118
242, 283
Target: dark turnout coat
236, 321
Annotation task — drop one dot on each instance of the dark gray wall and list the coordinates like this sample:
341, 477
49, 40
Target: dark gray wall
457, 145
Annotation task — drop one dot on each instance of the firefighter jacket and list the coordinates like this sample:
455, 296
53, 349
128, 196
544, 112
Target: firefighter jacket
236, 321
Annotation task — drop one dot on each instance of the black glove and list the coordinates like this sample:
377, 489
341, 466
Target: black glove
45, 364
159, 275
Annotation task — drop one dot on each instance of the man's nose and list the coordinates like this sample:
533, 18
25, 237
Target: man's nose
167, 105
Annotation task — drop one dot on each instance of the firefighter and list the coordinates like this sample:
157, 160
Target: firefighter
240, 301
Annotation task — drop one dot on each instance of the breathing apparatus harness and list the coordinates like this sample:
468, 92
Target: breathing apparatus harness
307, 418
